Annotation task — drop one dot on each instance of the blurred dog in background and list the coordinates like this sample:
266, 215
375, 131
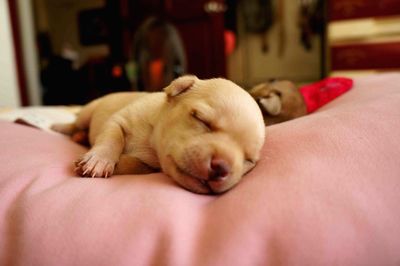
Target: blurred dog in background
279, 101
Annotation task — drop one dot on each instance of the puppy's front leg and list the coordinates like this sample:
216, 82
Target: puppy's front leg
131, 165
100, 160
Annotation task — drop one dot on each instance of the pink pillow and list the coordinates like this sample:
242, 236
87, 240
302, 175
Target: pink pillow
326, 192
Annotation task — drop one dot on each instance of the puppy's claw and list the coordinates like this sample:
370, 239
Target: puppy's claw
93, 165
78, 162
84, 172
83, 160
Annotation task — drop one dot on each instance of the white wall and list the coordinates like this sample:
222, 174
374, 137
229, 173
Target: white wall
60, 18
62, 22
29, 51
9, 92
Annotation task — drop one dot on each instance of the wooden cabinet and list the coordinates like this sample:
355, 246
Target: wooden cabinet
201, 29
364, 35
202, 32
362, 56
351, 9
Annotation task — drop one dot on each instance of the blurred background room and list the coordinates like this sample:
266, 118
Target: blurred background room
67, 52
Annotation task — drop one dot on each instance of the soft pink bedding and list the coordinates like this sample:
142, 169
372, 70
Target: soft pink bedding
326, 192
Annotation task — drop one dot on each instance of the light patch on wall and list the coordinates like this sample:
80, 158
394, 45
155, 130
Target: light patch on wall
9, 93
248, 65
62, 23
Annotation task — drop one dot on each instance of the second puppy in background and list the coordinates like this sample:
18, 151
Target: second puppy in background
279, 101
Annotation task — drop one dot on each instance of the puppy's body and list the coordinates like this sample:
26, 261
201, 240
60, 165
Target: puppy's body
131, 112
197, 132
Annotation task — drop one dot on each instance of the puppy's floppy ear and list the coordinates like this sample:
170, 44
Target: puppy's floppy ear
271, 103
180, 85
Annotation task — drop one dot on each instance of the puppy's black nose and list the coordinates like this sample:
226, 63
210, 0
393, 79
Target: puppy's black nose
219, 169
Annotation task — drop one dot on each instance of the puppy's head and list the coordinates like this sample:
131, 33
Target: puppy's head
210, 135
279, 101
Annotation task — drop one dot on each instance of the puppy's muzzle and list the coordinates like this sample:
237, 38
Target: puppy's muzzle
219, 169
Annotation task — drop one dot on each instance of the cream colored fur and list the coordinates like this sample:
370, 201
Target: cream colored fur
205, 134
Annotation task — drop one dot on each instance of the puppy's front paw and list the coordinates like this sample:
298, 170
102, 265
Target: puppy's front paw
94, 165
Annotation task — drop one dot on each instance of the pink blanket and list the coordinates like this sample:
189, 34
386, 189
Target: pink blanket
326, 192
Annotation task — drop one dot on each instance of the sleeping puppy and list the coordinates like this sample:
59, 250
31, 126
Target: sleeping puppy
279, 101
204, 134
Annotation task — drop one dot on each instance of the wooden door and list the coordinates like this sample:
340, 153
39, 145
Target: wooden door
201, 26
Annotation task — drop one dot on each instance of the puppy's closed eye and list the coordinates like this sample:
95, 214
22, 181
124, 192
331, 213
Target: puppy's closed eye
201, 120
249, 162
248, 165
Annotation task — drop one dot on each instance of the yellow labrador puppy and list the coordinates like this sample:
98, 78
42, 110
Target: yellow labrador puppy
205, 134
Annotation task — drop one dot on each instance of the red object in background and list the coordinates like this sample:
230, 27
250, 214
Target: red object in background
156, 71
230, 42
320, 93
116, 71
